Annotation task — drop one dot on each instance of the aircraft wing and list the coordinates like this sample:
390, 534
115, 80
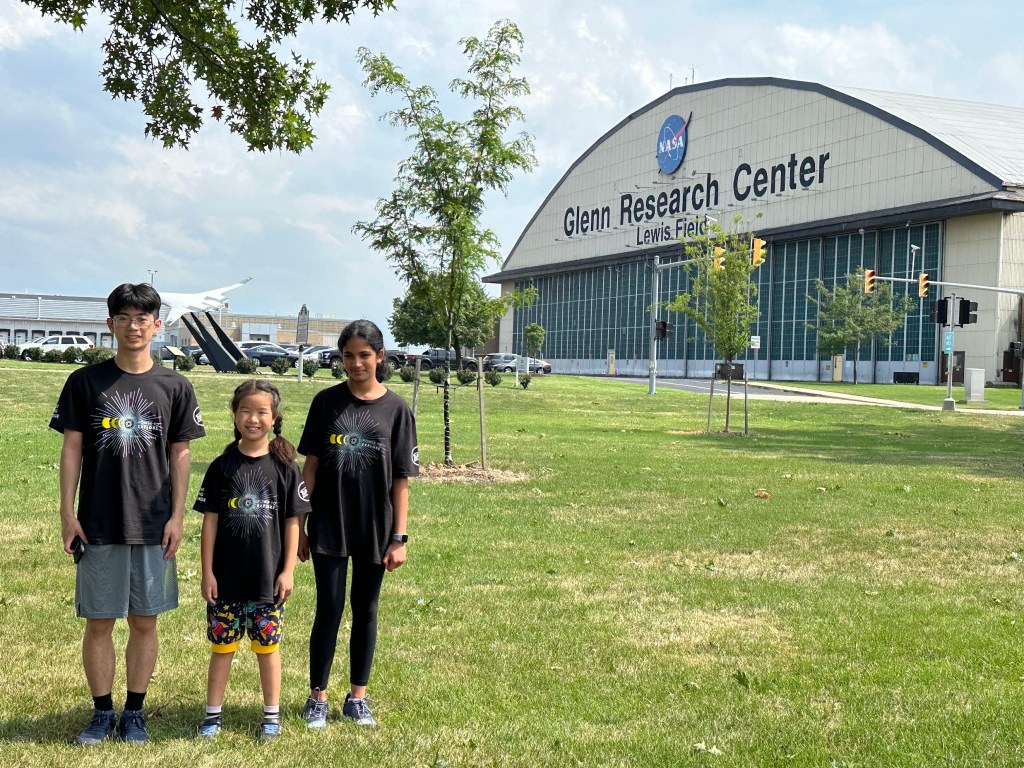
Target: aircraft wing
182, 303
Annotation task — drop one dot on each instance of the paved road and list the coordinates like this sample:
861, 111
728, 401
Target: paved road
702, 386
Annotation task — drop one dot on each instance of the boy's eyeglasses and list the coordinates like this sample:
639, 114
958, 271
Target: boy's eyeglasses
123, 321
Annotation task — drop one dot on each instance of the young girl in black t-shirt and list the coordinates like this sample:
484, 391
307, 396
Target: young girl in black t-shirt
360, 447
252, 497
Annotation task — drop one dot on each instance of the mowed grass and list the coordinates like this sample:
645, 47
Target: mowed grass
628, 601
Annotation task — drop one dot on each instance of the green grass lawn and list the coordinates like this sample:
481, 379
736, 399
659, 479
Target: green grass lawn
840, 588
996, 398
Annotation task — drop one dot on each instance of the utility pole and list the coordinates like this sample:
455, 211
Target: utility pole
655, 292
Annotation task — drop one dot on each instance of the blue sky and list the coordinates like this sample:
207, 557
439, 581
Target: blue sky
86, 201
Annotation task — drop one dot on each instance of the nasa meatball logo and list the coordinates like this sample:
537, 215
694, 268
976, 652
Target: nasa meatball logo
672, 142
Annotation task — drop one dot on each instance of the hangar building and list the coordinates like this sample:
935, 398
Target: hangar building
832, 178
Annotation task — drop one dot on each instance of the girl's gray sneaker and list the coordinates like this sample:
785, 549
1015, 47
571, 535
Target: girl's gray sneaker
358, 711
315, 713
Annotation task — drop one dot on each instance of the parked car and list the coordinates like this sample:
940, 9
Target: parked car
242, 346
60, 343
536, 365
500, 361
331, 358
312, 353
436, 358
267, 353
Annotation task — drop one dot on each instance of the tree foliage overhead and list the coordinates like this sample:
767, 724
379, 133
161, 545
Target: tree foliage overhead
429, 228
162, 53
848, 318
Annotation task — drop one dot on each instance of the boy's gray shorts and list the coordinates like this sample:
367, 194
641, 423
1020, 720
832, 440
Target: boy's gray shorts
114, 580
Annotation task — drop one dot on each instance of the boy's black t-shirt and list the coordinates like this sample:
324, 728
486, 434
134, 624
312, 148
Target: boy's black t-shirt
128, 422
361, 447
252, 496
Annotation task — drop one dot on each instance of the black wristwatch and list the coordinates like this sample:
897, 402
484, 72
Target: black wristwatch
401, 538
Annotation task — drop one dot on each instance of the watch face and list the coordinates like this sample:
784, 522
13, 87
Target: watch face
402, 537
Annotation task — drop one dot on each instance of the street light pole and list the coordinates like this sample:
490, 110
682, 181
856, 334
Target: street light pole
152, 272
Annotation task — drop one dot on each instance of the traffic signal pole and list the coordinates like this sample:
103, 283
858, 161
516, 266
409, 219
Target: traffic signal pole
924, 283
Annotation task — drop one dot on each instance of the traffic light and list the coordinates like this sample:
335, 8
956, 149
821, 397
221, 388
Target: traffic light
869, 281
968, 312
719, 261
757, 252
939, 312
661, 329
922, 284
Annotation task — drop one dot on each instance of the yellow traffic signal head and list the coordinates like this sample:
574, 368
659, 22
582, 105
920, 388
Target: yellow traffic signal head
922, 284
719, 261
757, 252
869, 280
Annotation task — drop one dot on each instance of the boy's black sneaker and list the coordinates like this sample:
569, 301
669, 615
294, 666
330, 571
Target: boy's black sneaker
132, 727
99, 729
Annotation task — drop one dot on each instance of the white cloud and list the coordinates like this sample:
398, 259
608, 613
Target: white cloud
21, 25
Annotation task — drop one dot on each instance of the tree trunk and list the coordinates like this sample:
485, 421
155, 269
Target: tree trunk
856, 357
728, 393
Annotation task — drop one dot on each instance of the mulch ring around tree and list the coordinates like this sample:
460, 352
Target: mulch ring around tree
467, 473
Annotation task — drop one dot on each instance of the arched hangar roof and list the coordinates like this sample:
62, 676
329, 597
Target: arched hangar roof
940, 135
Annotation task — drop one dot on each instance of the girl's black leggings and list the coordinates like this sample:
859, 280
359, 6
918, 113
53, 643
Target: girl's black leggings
330, 573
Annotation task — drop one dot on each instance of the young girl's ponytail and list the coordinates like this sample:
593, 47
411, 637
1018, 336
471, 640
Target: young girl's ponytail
281, 449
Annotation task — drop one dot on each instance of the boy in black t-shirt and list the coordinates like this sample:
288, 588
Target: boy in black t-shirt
127, 424
252, 498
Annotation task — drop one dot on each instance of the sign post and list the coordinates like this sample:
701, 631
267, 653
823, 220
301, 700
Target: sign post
947, 346
302, 335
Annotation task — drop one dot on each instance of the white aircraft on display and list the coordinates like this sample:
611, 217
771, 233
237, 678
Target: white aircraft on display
181, 303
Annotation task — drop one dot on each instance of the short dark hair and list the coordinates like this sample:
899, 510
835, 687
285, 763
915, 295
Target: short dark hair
141, 296
368, 331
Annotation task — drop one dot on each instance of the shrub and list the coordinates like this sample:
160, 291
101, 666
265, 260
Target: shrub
186, 363
407, 373
52, 356
465, 376
310, 367
71, 355
338, 371
97, 355
492, 377
248, 365
386, 373
524, 380
437, 375
35, 353
281, 366
157, 360
11, 351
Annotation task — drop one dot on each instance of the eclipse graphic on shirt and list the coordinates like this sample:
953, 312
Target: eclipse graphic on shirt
127, 423
353, 441
251, 503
